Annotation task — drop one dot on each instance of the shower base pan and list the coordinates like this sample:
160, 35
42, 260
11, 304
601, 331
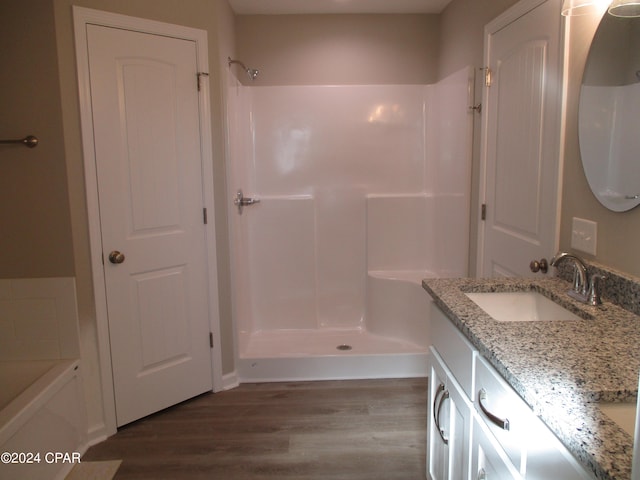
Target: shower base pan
288, 355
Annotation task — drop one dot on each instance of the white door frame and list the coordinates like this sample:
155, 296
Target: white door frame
82, 17
516, 11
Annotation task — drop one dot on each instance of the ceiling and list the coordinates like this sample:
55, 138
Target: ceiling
280, 7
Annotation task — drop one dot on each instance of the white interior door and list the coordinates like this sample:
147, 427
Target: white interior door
144, 101
520, 145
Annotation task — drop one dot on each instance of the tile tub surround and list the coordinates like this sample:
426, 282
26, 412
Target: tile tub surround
560, 368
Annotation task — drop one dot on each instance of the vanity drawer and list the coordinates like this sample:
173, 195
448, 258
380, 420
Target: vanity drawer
532, 448
454, 349
503, 411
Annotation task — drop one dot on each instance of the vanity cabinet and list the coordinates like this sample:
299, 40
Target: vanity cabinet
449, 424
479, 428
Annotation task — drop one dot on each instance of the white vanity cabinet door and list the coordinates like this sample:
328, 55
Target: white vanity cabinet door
449, 425
437, 450
488, 460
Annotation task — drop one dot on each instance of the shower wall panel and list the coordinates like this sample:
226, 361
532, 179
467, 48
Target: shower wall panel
282, 252
340, 256
400, 232
449, 136
315, 155
368, 138
240, 148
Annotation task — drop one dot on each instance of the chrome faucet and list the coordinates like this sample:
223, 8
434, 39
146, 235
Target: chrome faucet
585, 289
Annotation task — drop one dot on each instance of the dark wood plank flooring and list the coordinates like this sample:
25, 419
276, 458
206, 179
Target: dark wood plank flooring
334, 430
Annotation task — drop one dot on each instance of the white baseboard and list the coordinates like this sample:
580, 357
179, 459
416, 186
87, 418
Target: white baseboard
230, 380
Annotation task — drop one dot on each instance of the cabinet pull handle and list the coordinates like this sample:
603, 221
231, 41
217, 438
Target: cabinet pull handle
443, 394
482, 475
435, 411
502, 423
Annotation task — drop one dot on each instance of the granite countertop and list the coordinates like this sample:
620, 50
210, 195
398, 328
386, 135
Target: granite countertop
560, 368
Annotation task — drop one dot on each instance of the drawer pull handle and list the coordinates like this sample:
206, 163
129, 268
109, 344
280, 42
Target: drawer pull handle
482, 475
502, 423
443, 394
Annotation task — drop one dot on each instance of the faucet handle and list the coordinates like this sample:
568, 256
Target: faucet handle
579, 280
595, 289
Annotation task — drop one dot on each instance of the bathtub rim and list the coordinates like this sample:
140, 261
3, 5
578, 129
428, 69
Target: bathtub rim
29, 401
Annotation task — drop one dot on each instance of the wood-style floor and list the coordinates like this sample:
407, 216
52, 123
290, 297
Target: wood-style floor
334, 430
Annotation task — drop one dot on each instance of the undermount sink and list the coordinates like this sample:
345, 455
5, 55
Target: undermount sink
623, 414
520, 307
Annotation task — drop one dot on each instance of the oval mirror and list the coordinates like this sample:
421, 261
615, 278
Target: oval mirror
609, 113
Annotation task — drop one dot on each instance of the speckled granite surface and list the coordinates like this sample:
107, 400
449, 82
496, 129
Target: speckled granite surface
560, 368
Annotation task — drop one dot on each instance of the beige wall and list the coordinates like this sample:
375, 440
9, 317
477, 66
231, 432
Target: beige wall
35, 226
226, 48
339, 49
462, 32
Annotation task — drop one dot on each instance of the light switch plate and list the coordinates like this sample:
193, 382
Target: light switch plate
584, 235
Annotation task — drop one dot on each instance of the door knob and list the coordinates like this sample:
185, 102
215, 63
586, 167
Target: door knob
116, 257
539, 266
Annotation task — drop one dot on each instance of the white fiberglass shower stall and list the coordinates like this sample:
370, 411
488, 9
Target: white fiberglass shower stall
363, 191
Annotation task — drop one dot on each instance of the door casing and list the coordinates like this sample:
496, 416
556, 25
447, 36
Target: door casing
83, 16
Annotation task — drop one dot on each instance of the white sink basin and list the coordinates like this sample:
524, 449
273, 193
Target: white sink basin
624, 414
520, 307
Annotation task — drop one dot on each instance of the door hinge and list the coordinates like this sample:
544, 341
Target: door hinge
204, 215
487, 76
211, 339
199, 75
483, 212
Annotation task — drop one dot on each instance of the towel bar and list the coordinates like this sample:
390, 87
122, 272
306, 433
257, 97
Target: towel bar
28, 141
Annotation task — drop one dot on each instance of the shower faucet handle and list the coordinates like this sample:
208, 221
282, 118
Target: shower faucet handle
241, 201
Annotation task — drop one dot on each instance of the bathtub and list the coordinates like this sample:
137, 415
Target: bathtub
42, 414
392, 342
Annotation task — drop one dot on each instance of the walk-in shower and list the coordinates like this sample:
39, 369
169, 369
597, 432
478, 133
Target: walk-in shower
364, 191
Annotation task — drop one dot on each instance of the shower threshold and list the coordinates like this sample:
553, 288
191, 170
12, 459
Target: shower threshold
287, 355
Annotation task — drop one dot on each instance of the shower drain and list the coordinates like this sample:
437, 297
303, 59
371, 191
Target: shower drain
344, 346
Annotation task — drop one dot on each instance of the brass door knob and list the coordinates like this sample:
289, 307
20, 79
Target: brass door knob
116, 257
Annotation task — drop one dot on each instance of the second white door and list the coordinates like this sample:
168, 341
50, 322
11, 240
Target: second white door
520, 145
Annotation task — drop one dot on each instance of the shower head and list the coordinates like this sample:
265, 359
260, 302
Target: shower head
251, 72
